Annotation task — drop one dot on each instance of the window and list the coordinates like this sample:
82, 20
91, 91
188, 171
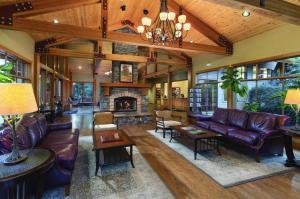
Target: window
267, 82
212, 95
20, 70
83, 89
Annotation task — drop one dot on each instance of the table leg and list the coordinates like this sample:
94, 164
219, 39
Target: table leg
291, 161
97, 161
171, 138
195, 149
218, 145
131, 157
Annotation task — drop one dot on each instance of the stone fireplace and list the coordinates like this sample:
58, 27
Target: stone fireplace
125, 104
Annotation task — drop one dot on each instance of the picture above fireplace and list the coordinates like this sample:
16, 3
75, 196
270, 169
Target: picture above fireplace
125, 104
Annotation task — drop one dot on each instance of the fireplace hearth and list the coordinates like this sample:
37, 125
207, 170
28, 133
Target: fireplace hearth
125, 104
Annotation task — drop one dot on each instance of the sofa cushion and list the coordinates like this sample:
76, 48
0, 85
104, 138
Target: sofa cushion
59, 138
238, 118
65, 153
170, 123
42, 123
220, 115
204, 124
220, 128
261, 122
33, 129
24, 141
248, 137
102, 127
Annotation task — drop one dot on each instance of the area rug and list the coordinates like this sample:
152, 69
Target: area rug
116, 182
230, 168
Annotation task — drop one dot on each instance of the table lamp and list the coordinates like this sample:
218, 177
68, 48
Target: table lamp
15, 100
293, 98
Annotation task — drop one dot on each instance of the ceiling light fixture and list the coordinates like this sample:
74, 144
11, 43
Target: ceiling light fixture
55, 21
246, 13
164, 30
79, 67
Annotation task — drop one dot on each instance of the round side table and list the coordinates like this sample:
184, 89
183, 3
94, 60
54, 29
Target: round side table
14, 179
288, 143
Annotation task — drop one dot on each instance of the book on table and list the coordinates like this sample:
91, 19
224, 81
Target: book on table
188, 128
197, 132
110, 138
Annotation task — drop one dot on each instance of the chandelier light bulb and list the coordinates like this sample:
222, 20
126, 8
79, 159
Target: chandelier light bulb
163, 16
187, 26
146, 21
158, 31
181, 19
140, 29
149, 35
171, 16
178, 26
178, 34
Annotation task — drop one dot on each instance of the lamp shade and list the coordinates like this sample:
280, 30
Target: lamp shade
292, 97
17, 99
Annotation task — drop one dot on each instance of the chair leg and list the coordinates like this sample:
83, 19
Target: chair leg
156, 129
257, 157
67, 190
164, 133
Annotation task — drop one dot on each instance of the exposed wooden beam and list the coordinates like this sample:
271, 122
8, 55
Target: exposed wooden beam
61, 40
35, 26
113, 57
186, 46
202, 27
32, 26
46, 6
104, 13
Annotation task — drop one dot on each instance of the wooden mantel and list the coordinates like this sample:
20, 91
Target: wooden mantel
107, 86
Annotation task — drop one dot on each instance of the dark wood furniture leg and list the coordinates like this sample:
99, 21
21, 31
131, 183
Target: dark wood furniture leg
218, 146
97, 162
172, 136
131, 157
195, 149
291, 161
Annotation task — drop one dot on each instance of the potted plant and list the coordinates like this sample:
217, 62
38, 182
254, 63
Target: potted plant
232, 83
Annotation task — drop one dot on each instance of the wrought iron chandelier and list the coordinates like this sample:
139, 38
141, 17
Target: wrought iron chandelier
164, 30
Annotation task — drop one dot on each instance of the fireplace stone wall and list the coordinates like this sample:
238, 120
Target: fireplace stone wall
107, 102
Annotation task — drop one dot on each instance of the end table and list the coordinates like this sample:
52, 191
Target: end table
14, 178
288, 143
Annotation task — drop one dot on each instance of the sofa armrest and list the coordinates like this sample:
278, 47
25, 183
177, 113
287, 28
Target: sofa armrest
269, 133
59, 126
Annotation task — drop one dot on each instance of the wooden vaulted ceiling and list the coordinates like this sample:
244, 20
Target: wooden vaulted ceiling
225, 20
212, 20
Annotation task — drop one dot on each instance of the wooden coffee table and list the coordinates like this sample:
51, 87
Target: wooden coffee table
201, 142
112, 152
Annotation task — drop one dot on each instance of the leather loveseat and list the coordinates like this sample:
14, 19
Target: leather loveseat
34, 131
252, 132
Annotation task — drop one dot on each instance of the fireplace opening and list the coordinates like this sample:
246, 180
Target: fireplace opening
125, 104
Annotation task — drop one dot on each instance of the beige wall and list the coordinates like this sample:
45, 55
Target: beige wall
19, 42
183, 85
282, 40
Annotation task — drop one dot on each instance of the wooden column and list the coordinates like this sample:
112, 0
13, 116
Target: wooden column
53, 81
170, 97
36, 75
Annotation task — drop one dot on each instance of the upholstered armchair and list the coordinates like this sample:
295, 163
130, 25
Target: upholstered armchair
104, 121
165, 120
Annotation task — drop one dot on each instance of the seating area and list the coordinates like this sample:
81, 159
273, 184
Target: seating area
155, 99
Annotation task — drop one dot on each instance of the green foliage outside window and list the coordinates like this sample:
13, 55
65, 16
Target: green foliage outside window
5, 73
